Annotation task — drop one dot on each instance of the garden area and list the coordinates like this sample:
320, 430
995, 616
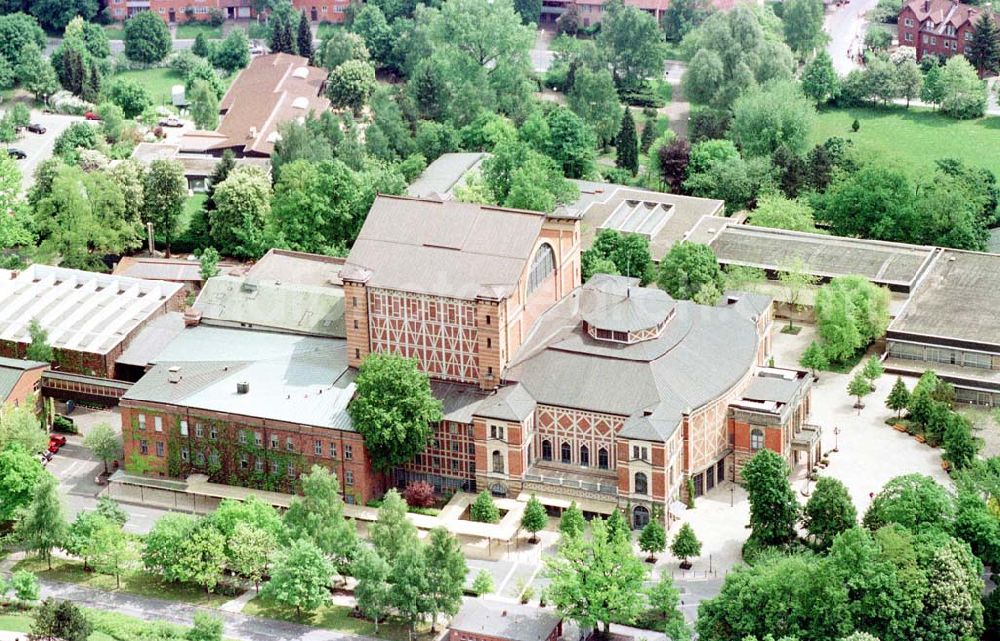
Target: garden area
935, 136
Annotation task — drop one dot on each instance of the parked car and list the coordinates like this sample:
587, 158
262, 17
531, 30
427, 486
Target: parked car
36, 128
90, 115
171, 122
58, 439
16, 153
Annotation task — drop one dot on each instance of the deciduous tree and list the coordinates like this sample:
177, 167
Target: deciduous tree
318, 515
147, 38
686, 268
55, 619
165, 192
803, 23
250, 549
300, 577
963, 94
819, 80
770, 116
653, 539
572, 523
242, 208
633, 44
105, 443
387, 382
913, 501
685, 544
534, 518
484, 509
20, 472
43, 526
446, 570
372, 591
392, 531
828, 512
350, 85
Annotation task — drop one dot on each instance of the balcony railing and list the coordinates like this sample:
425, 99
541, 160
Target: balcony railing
589, 486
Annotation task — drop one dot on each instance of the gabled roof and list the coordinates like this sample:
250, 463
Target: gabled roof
450, 249
11, 371
944, 12
510, 403
275, 88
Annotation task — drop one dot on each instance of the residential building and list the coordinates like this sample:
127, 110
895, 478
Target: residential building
482, 620
939, 27
606, 393
20, 379
197, 167
179, 11
592, 11
90, 318
272, 90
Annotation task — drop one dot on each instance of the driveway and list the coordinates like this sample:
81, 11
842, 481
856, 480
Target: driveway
38, 147
846, 27
541, 55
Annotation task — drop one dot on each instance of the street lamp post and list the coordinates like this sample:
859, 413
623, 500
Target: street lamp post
732, 484
836, 438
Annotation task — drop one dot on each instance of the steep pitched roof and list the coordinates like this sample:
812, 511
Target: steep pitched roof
451, 249
273, 89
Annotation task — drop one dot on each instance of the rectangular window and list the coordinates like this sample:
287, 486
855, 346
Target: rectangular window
275, 468
349, 478
184, 427
159, 449
290, 444
213, 432
213, 457
142, 422
185, 454
968, 35
933, 40
243, 437
244, 461
143, 446
258, 439
291, 471
258, 464
909, 37
454, 464
274, 441
348, 452
333, 450
200, 459
908, 22
925, 38
199, 430
349, 499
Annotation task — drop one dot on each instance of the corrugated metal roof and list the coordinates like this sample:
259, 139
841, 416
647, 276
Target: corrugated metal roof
298, 379
450, 248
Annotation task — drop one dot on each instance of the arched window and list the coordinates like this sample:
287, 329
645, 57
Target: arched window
566, 453
497, 461
584, 455
640, 517
602, 458
546, 451
543, 264
641, 484
756, 439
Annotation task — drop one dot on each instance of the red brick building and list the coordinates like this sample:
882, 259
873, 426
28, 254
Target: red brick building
609, 393
940, 27
179, 11
20, 379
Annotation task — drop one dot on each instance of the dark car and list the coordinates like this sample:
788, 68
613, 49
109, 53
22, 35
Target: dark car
16, 153
36, 128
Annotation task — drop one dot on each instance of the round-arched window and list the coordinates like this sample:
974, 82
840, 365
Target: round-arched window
641, 483
543, 264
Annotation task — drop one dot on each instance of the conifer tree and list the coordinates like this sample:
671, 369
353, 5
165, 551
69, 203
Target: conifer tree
984, 50
627, 150
305, 37
899, 397
92, 83
648, 135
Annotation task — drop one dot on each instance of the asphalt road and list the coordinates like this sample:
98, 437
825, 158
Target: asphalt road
846, 26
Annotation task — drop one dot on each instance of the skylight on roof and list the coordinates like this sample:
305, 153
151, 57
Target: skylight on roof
639, 217
301, 72
300, 103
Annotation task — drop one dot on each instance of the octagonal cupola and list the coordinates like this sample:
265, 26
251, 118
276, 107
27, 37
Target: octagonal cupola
616, 309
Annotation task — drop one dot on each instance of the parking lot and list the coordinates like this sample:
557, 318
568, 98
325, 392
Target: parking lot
38, 147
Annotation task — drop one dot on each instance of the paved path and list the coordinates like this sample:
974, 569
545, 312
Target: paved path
847, 26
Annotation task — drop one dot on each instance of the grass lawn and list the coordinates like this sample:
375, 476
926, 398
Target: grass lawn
335, 617
191, 205
158, 82
115, 32
191, 31
326, 28
141, 584
914, 138
674, 51
22, 623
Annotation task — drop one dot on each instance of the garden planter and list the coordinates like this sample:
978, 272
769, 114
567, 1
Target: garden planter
899, 427
686, 565
920, 438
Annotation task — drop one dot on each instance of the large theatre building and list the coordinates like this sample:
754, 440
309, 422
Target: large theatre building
607, 393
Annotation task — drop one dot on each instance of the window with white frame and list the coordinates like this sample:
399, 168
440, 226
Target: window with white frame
184, 427
756, 438
158, 423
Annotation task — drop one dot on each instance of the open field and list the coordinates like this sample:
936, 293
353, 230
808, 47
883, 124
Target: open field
191, 31
140, 584
914, 138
